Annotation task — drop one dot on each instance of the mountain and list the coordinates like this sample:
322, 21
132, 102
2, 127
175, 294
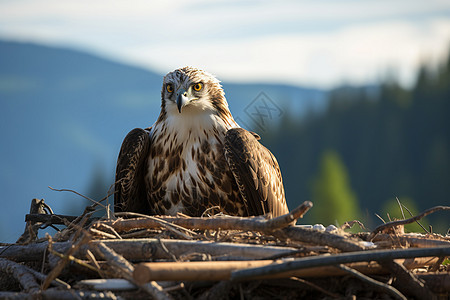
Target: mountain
64, 114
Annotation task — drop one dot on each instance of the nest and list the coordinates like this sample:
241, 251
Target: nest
220, 257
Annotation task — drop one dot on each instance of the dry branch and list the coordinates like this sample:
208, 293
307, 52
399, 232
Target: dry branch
193, 250
296, 233
289, 218
221, 270
306, 235
127, 269
116, 260
408, 283
385, 288
31, 252
322, 260
31, 228
140, 249
192, 271
62, 263
177, 230
53, 219
25, 269
214, 223
21, 274
411, 241
407, 221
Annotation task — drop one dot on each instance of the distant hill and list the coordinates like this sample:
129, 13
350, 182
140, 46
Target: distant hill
64, 114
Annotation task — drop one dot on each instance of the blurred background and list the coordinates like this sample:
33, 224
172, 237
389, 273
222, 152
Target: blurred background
352, 97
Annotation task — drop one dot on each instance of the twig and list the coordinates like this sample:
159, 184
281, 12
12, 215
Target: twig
161, 243
379, 217
41, 277
225, 223
110, 192
321, 260
110, 229
172, 227
411, 241
401, 208
92, 259
127, 269
62, 263
349, 224
407, 221
79, 194
289, 218
74, 259
143, 233
206, 212
100, 233
410, 213
306, 235
113, 258
385, 288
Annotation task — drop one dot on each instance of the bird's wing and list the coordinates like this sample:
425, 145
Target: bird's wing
256, 172
130, 188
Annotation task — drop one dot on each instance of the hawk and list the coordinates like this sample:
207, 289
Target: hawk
195, 156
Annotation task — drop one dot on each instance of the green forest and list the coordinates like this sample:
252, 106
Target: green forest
371, 146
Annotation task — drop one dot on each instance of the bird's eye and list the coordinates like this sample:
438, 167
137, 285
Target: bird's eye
198, 86
169, 88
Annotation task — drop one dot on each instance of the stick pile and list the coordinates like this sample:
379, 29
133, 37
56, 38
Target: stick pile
133, 256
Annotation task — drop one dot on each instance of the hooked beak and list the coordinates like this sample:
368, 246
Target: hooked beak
183, 98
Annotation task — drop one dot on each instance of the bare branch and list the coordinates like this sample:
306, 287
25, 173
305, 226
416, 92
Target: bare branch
316, 261
408, 283
79, 194
21, 273
408, 221
127, 269
385, 288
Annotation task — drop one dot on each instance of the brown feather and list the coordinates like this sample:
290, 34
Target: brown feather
256, 172
130, 188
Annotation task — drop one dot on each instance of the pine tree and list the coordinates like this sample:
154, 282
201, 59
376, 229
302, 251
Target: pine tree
334, 201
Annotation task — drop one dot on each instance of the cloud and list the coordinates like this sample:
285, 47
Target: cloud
301, 42
354, 54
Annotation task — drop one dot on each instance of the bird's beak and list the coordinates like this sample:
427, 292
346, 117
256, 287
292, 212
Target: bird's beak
183, 98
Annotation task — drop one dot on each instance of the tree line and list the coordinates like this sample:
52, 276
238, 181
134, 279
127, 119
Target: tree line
370, 146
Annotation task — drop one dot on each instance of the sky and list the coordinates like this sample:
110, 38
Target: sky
310, 43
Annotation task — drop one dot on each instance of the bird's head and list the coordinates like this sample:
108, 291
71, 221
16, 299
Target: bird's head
189, 90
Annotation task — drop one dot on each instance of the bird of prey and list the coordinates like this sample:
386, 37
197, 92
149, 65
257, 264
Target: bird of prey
195, 156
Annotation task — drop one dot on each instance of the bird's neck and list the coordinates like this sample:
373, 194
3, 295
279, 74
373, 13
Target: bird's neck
193, 126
